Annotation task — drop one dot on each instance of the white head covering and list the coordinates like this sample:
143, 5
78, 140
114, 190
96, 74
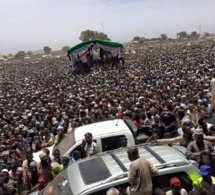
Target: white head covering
112, 191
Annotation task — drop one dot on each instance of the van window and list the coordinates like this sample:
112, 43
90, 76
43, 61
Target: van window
111, 143
96, 166
158, 182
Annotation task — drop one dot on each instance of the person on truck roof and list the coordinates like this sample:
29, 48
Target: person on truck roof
140, 173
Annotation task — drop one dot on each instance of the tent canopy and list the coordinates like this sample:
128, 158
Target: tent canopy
104, 44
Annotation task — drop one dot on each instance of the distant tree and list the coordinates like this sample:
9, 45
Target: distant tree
88, 35
91, 35
29, 53
10, 55
164, 37
137, 38
194, 34
4, 56
189, 36
47, 50
101, 35
20, 55
206, 34
142, 40
182, 34
154, 39
65, 48
170, 39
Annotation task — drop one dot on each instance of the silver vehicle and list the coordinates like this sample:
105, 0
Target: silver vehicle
95, 175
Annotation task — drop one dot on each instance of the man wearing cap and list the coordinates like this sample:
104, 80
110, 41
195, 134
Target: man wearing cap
65, 161
9, 182
32, 175
206, 181
29, 159
185, 123
5, 155
181, 115
2, 183
206, 104
60, 134
176, 187
89, 147
4, 188
123, 142
113, 191
199, 149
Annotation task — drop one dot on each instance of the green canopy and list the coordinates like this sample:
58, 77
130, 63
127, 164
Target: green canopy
104, 44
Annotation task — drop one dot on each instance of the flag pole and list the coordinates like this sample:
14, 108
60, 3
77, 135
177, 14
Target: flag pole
102, 28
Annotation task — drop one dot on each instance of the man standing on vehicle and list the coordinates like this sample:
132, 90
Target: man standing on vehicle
89, 147
207, 181
140, 173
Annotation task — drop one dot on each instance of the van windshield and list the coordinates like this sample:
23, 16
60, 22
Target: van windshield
66, 143
59, 185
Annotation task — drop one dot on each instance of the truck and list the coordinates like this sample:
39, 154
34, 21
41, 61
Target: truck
106, 134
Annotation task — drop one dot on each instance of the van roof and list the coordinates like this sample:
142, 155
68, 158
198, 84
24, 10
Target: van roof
116, 163
104, 127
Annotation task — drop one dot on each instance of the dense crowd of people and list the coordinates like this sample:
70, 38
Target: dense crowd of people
164, 87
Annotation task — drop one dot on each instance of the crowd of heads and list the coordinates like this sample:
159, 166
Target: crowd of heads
40, 100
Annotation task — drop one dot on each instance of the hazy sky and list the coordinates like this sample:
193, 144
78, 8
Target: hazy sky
32, 24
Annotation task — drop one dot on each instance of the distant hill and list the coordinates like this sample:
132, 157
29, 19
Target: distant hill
58, 53
55, 53
38, 52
